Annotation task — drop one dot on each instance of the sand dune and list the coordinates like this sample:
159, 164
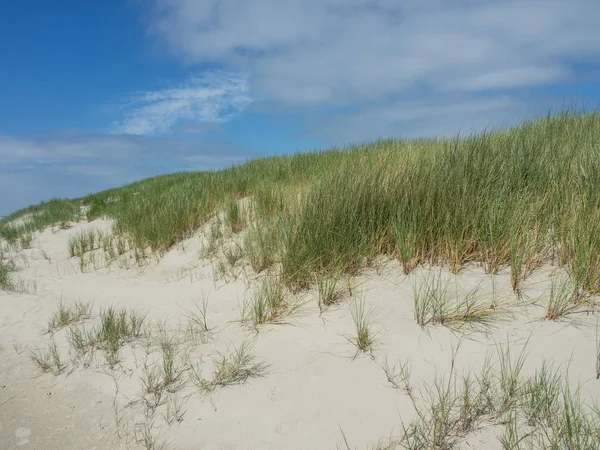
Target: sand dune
304, 385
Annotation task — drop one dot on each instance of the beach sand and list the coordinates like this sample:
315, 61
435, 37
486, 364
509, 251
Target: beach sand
317, 389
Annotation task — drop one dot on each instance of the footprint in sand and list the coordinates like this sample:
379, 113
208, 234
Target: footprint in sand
22, 435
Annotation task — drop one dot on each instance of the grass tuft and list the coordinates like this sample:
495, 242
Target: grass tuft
49, 360
435, 303
65, 316
330, 291
564, 298
116, 328
236, 367
267, 304
7, 267
363, 338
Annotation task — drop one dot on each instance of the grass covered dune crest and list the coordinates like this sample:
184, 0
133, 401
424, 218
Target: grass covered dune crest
520, 196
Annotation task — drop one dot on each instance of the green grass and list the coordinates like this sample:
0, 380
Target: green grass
49, 360
564, 298
235, 367
267, 304
540, 411
435, 302
65, 316
7, 266
38, 217
116, 328
85, 241
518, 196
330, 291
363, 337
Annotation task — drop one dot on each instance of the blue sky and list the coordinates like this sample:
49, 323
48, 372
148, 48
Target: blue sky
98, 94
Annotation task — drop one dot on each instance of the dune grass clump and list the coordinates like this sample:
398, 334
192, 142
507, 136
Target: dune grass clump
116, 328
65, 316
11, 233
364, 337
85, 241
564, 298
262, 244
435, 303
164, 378
49, 360
233, 253
236, 367
330, 291
267, 304
7, 267
236, 216
20, 224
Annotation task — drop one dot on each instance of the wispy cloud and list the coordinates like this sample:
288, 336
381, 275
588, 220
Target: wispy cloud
366, 60
212, 98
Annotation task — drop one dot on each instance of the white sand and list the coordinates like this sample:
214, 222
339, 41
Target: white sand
314, 389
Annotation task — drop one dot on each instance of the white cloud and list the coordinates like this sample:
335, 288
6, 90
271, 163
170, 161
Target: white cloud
334, 52
76, 163
212, 98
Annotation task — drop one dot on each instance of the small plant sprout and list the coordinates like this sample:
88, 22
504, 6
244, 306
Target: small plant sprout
18, 347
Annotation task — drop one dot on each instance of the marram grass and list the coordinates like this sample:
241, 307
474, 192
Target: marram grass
520, 196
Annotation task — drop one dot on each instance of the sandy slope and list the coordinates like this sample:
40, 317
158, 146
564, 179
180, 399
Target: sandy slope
314, 387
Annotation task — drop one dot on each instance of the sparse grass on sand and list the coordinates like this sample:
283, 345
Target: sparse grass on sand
116, 328
65, 316
267, 304
235, 367
435, 302
363, 337
537, 411
49, 360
